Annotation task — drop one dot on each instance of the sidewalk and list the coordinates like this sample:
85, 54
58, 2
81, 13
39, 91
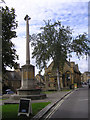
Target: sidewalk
54, 98
51, 97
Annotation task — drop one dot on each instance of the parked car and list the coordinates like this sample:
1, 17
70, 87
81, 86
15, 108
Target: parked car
8, 91
89, 83
85, 83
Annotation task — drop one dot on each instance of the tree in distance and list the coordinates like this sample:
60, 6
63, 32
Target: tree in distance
56, 42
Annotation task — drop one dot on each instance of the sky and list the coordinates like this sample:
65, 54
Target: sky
73, 13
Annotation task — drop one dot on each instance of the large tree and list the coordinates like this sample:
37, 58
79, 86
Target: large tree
9, 24
56, 42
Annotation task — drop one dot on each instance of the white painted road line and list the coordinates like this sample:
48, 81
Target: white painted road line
57, 106
55, 109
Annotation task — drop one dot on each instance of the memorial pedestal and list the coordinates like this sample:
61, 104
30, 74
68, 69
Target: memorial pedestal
29, 88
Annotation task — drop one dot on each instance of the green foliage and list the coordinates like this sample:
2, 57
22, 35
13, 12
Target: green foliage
52, 43
81, 45
9, 24
56, 42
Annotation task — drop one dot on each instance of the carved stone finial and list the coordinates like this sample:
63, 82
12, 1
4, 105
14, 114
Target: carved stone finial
27, 17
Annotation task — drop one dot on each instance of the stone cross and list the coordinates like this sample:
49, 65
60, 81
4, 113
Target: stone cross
27, 18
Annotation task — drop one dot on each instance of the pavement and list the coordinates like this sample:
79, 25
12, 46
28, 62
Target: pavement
54, 98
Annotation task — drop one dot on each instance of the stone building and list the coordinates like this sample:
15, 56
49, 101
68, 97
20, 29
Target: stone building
12, 80
68, 77
85, 76
40, 81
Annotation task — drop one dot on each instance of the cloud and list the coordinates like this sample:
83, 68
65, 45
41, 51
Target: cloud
73, 13
82, 62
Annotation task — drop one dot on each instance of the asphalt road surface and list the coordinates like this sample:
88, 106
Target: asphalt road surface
73, 106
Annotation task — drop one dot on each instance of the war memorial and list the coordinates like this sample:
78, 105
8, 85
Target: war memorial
29, 88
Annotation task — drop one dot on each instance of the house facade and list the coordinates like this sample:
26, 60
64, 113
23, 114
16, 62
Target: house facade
85, 76
68, 77
12, 80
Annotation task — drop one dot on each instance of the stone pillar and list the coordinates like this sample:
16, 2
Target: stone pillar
27, 18
29, 87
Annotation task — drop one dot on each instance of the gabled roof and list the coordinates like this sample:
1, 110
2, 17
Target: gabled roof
68, 63
51, 64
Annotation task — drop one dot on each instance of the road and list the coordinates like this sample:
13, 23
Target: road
74, 105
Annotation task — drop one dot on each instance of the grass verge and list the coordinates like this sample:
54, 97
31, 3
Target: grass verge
50, 92
3, 99
66, 90
10, 111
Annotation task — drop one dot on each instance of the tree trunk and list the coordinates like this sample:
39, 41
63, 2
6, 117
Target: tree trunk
58, 78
